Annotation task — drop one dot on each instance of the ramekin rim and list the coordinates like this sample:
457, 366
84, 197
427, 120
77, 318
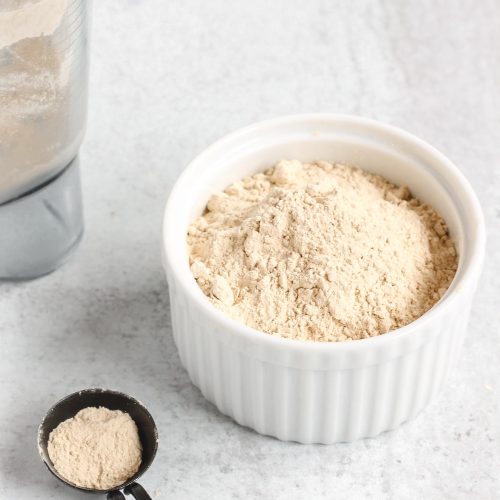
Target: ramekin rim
258, 336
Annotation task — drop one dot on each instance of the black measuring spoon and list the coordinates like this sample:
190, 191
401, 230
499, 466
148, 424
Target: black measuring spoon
113, 400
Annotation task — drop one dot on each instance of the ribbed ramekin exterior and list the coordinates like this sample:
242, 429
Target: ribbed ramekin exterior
315, 392
291, 401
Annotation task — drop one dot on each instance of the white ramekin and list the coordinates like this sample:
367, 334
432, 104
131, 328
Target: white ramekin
321, 392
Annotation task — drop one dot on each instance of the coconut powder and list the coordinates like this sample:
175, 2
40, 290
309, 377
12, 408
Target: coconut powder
321, 251
98, 448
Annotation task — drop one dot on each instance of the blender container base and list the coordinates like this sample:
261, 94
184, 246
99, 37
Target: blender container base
39, 230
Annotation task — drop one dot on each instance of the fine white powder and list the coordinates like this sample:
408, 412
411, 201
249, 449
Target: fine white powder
97, 448
322, 252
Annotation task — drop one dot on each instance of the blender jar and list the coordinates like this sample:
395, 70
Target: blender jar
43, 99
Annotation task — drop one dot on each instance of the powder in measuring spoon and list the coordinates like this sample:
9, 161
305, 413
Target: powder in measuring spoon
97, 448
321, 251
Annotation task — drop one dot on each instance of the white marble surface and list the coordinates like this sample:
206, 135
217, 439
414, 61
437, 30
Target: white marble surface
169, 77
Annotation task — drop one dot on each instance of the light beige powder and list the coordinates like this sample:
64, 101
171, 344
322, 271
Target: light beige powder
20, 19
39, 101
321, 251
97, 448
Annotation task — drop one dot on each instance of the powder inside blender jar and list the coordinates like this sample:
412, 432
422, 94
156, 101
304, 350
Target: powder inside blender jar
40, 126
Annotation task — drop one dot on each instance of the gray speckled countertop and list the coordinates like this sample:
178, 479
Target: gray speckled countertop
167, 79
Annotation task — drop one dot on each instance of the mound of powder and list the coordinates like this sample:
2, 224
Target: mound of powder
321, 251
97, 448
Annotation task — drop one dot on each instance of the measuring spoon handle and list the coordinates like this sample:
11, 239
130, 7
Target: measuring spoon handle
137, 491
115, 495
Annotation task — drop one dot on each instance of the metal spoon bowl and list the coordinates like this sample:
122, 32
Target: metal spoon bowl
69, 406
